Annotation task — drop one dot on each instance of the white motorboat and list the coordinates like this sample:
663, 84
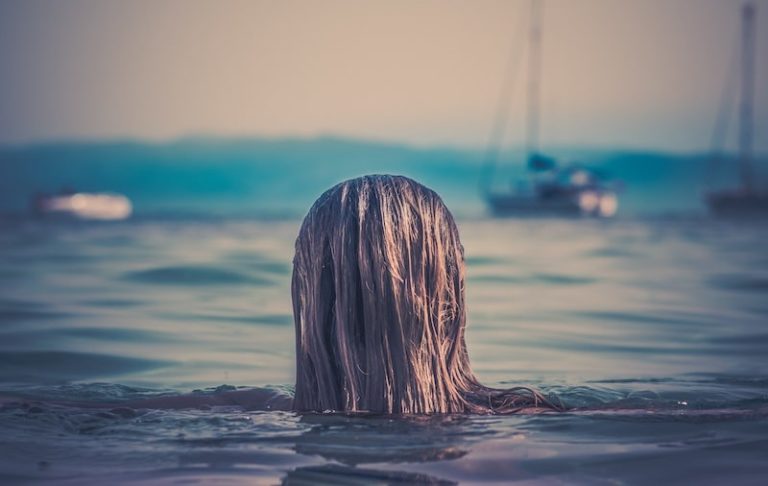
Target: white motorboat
85, 205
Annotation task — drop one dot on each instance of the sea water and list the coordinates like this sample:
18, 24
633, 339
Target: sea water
653, 332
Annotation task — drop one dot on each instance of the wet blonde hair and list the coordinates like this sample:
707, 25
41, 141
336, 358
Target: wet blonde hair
378, 303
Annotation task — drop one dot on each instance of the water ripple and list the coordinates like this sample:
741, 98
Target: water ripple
193, 275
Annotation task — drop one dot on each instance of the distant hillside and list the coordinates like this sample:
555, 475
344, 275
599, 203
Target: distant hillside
283, 176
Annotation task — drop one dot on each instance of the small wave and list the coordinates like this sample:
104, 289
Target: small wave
539, 278
481, 261
732, 379
495, 278
43, 338
193, 275
557, 279
54, 258
21, 310
111, 303
52, 366
644, 317
97, 392
679, 415
661, 394
739, 282
612, 252
266, 319
259, 262
117, 334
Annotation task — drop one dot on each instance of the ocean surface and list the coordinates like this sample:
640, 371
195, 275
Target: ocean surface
653, 331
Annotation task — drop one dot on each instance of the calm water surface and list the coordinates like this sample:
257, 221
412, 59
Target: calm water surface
656, 332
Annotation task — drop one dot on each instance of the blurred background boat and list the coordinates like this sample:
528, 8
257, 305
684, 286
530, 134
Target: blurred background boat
550, 190
83, 205
569, 191
749, 199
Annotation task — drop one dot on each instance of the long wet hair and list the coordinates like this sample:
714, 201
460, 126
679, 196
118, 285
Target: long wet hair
378, 304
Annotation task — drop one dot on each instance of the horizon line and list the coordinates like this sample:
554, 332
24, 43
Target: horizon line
365, 140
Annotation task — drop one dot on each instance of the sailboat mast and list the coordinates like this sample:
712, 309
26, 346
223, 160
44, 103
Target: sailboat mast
534, 74
746, 115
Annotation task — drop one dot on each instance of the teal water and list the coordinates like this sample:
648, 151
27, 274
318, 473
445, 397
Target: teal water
654, 332
268, 177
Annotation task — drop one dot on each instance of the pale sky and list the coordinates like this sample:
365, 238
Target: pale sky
616, 73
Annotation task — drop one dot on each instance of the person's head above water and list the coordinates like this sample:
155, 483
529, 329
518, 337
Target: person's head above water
378, 303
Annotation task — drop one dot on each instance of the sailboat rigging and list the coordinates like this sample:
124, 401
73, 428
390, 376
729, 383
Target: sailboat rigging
552, 191
747, 200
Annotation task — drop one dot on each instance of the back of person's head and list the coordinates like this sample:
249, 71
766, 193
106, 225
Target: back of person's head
378, 298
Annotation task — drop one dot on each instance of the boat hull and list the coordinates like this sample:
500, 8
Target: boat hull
738, 204
595, 203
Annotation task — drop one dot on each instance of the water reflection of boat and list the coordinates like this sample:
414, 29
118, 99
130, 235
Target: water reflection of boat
83, 205
747, 200
550, 190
